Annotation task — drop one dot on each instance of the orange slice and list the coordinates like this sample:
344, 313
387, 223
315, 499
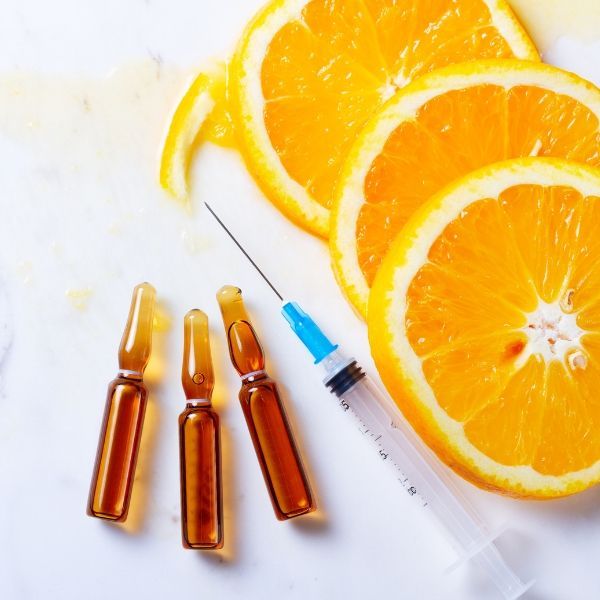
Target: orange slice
441, 127
484, 323
307, 74
201, 114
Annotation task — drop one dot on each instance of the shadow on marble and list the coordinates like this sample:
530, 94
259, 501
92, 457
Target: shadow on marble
580, 506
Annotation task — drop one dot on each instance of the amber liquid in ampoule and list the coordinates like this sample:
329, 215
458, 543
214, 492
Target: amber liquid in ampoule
264, 412
199, 442
121, 432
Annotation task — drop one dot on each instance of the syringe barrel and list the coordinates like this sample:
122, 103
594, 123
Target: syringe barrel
404, 449
381, 420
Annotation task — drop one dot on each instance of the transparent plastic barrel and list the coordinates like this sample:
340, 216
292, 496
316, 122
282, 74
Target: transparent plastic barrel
432, 480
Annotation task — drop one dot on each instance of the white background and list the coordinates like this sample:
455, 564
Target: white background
80, 209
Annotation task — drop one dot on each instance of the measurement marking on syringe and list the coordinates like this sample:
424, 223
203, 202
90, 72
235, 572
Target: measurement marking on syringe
364, 429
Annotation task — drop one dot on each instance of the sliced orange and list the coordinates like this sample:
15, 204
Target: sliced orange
442, 126
201, 113
484, 323
307, 74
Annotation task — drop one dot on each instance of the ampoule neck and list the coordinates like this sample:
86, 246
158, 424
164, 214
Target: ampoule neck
133, 376
136, 343
192, 403
254, 377
245, 350
197, 377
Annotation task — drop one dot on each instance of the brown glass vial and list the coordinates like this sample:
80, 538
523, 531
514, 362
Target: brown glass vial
199, 442
112, 481
265, 416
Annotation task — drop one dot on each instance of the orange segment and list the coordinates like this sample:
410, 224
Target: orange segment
442, 127
480, 333
584, 276
508, 427
461, 376
478, 250
309, 73
564, 442
543, 122
556, 218
348, 29
463, 31
394, 24
589, 317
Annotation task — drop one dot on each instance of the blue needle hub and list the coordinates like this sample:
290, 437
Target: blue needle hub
307, 330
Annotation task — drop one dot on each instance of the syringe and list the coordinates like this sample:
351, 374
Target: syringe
398, 443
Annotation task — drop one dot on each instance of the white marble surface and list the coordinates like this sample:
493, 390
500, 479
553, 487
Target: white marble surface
81, 221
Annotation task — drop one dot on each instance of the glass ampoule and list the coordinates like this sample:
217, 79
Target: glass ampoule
265, 415
199, 442
121, 432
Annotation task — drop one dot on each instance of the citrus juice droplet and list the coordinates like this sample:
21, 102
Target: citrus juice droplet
218, 127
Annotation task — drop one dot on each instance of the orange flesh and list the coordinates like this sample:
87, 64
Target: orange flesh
218, 127
467, 318
456, 133
325, 74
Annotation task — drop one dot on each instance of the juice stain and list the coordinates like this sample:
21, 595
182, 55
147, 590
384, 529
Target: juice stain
118, 118
79, 298
551, 19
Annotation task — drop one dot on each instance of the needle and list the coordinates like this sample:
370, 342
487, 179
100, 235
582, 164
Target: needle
214, 214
